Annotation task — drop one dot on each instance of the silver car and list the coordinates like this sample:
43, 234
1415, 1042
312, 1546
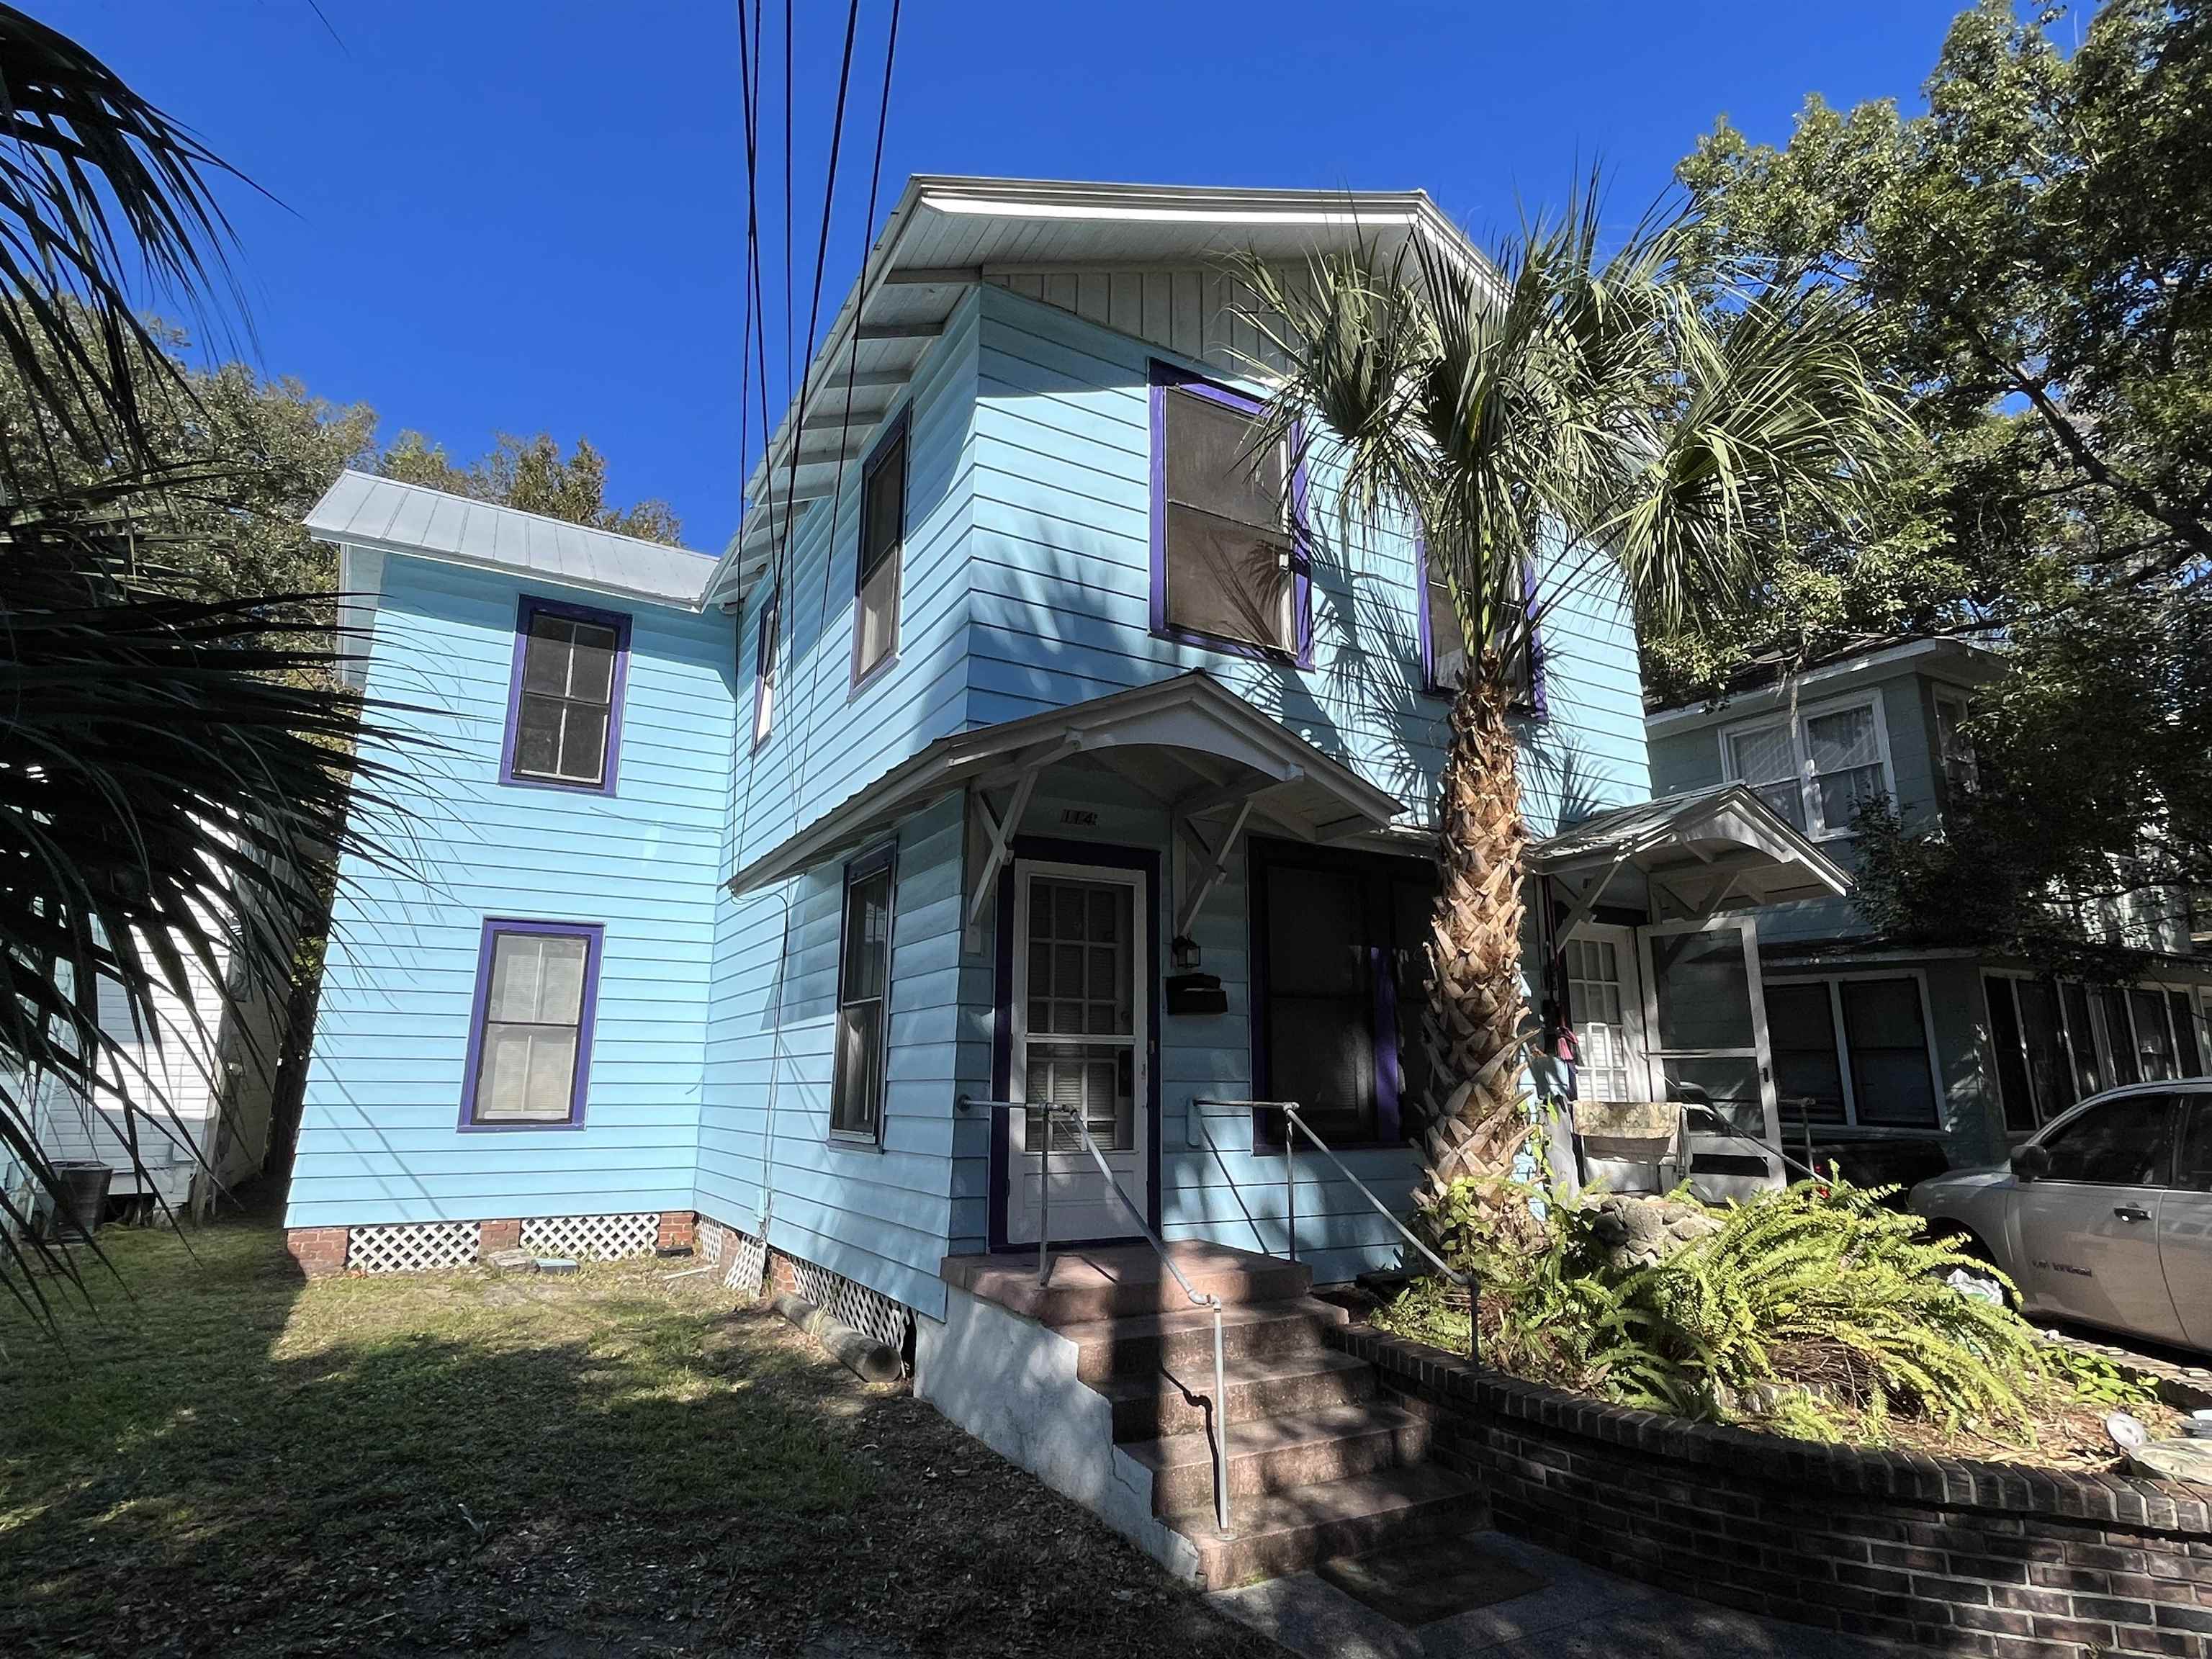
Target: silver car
2104, 1216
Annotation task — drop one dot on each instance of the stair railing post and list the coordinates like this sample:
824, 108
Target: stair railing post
1044, 1202
1291, 1175
1220, 1428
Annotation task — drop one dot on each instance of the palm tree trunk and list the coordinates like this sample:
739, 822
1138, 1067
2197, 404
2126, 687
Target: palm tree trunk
1476, 1007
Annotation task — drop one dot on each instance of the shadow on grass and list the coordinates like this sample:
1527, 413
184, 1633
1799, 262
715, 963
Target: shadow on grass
235, 1462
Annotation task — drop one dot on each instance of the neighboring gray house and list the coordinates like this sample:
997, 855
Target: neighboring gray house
1874, 1042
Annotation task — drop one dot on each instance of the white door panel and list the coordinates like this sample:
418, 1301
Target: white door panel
1079, 1028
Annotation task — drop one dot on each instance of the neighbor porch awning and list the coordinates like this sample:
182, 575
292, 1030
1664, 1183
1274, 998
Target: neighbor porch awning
1215, 761
1705, 849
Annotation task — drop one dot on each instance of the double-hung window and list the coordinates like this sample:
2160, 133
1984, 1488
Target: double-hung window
1228, 557
1443, 641
882, 549
764, 650
1853, 1050
564, 713
1954, 749
1817, 768
864, 970
1339, 939
530, 1037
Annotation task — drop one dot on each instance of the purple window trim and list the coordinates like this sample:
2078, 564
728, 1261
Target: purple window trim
593, 935
766, 644
1166, 377
900, 430
1534, 705
531, 606
875, 860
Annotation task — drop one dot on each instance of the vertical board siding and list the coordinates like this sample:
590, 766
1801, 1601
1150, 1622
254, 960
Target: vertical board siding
378, 1140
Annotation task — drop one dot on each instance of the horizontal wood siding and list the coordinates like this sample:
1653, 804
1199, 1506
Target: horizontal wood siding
1062, 570
379, 1140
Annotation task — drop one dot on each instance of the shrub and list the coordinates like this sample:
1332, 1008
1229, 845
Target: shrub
1815, 1309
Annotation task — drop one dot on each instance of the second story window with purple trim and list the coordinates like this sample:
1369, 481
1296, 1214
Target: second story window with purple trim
765, 670
1230, 567
1443, 642
564, 713
883, 545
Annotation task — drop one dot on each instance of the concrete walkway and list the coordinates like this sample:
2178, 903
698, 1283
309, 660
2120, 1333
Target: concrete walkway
1580, 1613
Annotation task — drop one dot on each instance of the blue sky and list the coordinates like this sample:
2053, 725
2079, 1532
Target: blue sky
529, 215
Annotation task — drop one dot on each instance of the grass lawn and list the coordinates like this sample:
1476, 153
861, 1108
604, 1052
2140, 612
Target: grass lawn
229, 1461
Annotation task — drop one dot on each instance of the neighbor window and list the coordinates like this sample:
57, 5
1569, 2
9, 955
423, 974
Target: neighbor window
530, 1043
1443, 641
1954, 749
1229, 563
1339, 939
764, 669
564, 719
864, 962
1852, 1050
2059, 1042
1816, 769
883, 546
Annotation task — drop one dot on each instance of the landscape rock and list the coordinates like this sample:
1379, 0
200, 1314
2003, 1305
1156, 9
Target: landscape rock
1638, 1232
2174, 1460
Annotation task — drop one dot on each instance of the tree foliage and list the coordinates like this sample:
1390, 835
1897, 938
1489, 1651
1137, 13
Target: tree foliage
2033, 258
531, 473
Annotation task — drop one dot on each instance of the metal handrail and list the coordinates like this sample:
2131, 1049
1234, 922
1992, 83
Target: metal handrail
1295, 1125
1197, 1298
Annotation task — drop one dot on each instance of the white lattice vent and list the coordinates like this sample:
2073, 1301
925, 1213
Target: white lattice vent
862, 1308
711, 1234
747, 1264
414, 1247
592, 1237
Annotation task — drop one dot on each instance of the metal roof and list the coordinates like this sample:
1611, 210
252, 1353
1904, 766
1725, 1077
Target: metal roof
1707, 845
384, 514
948, 233
1185, 741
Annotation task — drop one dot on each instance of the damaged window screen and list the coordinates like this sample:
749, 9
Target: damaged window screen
1227, 549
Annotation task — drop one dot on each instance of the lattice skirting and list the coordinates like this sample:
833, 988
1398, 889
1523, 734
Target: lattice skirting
413, 1247
862, 1308
742, 1258
592, 1237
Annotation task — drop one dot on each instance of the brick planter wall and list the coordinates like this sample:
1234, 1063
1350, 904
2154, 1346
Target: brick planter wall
1963, 1557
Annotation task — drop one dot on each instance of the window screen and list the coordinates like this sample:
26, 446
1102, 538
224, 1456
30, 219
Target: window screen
883, 536
1227, 553
2188, 1047
1844, 758
2125, 1143
1765, 758
2012, 1064
2082, 1035
2119, 1033
532, 1034
1887, 1040
863, 979
564, 710
2049, 1070
1801, 1030
1447, 640
1954, 749
2153, 1041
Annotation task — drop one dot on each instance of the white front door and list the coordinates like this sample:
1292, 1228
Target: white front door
1077, 1021
1706, 1016
1605, 1002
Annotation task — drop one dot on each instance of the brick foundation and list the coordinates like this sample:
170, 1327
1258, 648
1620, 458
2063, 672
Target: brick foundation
1963, 1558
678, 1228
500, 1236
319, 1251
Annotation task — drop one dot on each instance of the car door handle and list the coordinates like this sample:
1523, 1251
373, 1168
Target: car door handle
2131, 1213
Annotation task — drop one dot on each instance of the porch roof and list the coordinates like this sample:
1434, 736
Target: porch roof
1186, 742
1707, 848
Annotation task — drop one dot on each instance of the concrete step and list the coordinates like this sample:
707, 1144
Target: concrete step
1131, 1343
1275, 1453
1087, 1285
1153, 1405
1288, 1531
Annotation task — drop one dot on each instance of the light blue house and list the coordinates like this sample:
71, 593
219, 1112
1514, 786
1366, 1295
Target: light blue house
1032, 740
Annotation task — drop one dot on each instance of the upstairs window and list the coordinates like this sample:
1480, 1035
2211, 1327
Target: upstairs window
564, 716
1443, 641
863, 969
1229, 565
764, 669
529, 1042
883, 547
1816, 769
1954, 749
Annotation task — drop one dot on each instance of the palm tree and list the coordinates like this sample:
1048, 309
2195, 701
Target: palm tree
1555, 419
174, 768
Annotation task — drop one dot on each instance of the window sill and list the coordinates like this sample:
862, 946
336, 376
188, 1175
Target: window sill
852, 1140
516, 781
523, 1126
1277, 655
867, 681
